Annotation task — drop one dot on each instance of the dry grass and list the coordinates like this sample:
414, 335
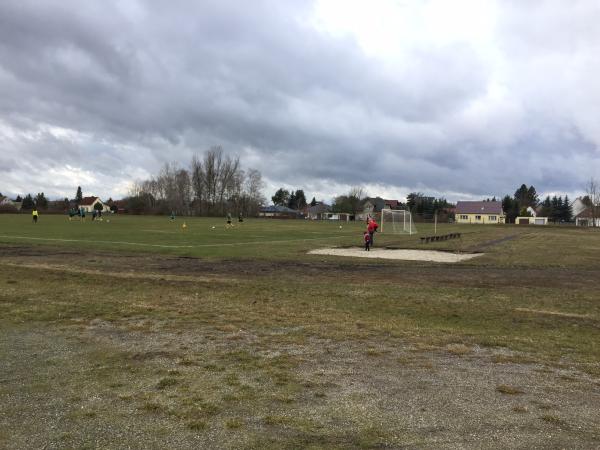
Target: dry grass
458, 349
295, 353
509, 390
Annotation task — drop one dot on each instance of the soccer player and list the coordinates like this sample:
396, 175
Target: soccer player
34, 215
229, 220
240, 218
367, 239
372, 228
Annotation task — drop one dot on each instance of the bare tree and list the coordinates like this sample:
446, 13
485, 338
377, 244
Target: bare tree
253, 192
593, 192
355, 199
214, 184
198, 184
183, 187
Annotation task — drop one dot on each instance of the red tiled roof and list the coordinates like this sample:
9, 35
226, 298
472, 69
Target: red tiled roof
479, 208
392, 203
87, 201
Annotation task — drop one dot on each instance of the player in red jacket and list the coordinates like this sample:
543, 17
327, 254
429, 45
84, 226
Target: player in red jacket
372, 228
367, 238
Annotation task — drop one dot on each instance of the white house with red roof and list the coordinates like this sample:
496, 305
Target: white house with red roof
88, 204
480, 212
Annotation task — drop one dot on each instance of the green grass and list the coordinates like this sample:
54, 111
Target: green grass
290, 239
251, 343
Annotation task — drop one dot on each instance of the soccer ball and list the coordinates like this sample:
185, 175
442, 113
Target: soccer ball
213, 227
107, 220
340, 226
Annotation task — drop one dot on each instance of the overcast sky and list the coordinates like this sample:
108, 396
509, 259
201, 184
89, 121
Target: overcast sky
463, 99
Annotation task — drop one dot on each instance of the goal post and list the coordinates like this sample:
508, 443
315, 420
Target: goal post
397, 221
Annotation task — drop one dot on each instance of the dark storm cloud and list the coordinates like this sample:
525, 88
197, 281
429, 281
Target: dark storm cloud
110, 90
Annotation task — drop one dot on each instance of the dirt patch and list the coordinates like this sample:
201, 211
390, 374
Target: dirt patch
122, 274
407, 273
401, 254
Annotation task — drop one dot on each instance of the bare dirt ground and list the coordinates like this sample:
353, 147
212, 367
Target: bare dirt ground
371, 391
410, 396
397, 254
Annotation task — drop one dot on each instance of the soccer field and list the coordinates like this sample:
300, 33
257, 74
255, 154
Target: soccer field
137, 332
205, 237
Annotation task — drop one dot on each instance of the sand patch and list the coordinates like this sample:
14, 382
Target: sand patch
402, 254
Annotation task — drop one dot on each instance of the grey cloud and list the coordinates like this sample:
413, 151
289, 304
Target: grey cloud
148, 82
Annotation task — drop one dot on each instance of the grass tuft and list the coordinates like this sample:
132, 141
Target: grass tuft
166, 382
509, 390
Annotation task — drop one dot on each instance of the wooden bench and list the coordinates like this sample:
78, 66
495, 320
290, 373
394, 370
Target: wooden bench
440, 237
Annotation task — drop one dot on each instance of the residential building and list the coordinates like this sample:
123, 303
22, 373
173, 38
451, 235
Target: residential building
89, 204
315, 212
281, 212
479, 212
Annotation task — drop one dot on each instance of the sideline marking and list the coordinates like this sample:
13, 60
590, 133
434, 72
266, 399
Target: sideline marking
231, 244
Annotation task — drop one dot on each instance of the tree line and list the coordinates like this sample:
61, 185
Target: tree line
557, 209
291, 199
214, 184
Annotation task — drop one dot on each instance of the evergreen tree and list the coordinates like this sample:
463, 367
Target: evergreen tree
281, 197
411, 200
28, 202
546, 210
567, 210
526, 196
532, 197
554, 209
300, 199
521, 196
293, 201
341, 204
510, 207
19, 199
313, 202
78, 195
41, 202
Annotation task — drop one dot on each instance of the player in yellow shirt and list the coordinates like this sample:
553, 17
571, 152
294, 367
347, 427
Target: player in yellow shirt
34, 215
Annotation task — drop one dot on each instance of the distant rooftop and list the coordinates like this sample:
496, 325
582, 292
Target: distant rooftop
479, 208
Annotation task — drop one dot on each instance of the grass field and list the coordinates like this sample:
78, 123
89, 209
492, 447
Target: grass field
136, 333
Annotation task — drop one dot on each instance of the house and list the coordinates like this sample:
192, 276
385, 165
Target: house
88, 204
346, 217
393, 204
586, 218
315, 212
578, 206
583, 213
531, 220
479, 212
374, 205
281, 212
8, 205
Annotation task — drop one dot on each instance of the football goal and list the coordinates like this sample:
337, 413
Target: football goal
397, 221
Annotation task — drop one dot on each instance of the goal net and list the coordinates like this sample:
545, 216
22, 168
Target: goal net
397, 221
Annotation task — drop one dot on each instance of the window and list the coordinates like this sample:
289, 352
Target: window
492, 218
464, 217
477, 217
